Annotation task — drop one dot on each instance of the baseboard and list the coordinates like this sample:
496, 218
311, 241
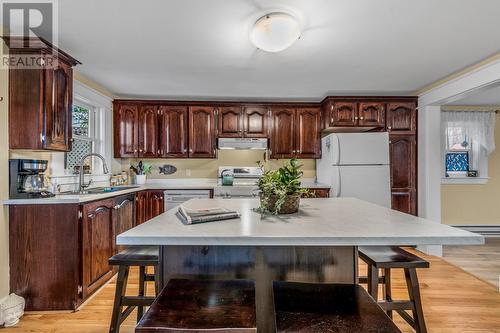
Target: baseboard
485, 230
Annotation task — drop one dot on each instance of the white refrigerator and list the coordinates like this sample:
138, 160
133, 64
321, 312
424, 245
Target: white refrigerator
356, 165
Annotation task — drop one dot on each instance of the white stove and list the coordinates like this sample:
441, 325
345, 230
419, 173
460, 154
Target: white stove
244, 183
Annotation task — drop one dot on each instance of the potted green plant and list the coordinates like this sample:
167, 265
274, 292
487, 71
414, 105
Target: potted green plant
140, 171
280, 189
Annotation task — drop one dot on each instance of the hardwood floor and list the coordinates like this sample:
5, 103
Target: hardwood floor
454, 301
480, 260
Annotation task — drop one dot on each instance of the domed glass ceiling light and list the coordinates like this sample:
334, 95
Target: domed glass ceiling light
275, 32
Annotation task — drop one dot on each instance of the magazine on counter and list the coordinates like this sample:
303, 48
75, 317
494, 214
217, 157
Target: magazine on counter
193, 216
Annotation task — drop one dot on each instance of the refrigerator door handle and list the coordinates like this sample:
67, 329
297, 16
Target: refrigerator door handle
339, 182
336, 183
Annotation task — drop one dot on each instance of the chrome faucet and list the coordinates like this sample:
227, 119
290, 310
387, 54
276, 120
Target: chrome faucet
81, 184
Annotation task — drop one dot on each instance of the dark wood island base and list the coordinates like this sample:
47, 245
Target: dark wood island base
263, 264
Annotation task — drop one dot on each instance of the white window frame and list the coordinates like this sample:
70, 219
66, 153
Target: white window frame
102, 106
481, 161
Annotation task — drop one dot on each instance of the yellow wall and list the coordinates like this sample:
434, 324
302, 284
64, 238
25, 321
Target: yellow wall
207, 168
475, 204
4, 183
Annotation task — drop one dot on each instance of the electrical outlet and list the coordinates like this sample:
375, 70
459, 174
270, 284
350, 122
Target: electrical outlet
188, 172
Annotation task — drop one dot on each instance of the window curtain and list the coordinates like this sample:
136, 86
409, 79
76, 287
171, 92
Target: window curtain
473, 130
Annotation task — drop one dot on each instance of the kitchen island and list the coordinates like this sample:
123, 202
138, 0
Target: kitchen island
318, 244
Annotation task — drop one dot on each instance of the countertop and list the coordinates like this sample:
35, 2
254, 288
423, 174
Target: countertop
319, 222
154, 184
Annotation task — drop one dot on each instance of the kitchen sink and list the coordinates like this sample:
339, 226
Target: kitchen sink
100, 190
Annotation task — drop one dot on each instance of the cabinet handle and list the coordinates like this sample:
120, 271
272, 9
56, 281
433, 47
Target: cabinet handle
135, 151
185, 150
361, 118
389, 128
159, 151
190, 150
331, 108
356, 118
331, 120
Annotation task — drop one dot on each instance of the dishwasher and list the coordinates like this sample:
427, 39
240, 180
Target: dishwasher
174, 198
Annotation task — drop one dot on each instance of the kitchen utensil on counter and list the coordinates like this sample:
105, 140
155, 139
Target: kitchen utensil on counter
227, 177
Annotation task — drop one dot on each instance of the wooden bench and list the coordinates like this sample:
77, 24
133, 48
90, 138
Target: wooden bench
226, 306
317, 308
387, 258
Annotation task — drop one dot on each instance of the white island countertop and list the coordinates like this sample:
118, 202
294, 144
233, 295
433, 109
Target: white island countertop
320, 222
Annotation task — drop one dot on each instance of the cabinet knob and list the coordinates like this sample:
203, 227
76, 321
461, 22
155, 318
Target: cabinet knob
331, 120
361, 118
185, 150
356, 118
135, 151
389, 128
190, 150
331, 108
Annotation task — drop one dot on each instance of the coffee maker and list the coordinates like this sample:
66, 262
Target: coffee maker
27, 179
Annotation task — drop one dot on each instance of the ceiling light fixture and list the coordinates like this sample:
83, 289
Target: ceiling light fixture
275, 32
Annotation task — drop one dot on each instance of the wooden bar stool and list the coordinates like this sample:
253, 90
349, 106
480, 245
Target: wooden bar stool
325, 307
387, 258
202, 306
141, 256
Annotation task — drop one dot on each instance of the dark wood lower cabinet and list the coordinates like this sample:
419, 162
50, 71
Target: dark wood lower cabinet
59, 253
150, 204
97, 244
404, 200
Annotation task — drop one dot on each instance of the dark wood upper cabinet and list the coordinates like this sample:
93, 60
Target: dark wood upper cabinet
173, 131
148, 131
40, 98
343, 114
202, 132
126, 130
58, 107
402, 117
371, 114
307, 133
255, 119
98, 244
230, 122
282, 133
402, 150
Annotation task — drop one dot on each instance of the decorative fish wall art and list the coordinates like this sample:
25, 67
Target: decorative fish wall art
167, 169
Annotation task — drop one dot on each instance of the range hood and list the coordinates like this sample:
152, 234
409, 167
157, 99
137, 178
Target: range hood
242, 143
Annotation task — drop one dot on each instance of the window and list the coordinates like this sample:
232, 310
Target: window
468, 140
84, 137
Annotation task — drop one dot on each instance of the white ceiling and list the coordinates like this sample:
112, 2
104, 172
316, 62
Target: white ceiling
200, 48
486, 96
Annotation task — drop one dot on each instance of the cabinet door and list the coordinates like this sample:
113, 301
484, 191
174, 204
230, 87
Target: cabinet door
141, 207
97, 245
404, 200
148, 131
283, 133
201, 131
319, 192
57, 109
255, 119
123, 216
174, 131
156, 204
307, 133
371, 114
343, 114
403, 160
126, 135
401, 118
230, 122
